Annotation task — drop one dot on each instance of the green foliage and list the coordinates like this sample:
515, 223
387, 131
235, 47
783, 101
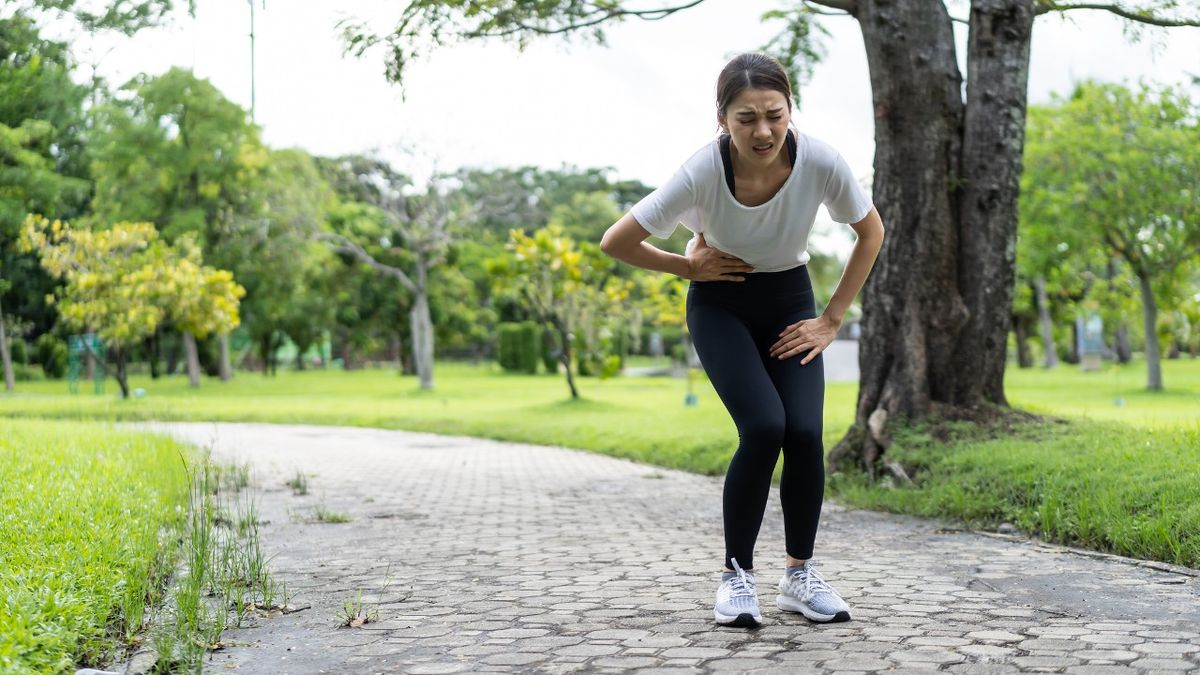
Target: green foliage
123, 16
42, 168
52, 354
177, 153
519, 346
122, 282
18, 351
80, 548
1110, 173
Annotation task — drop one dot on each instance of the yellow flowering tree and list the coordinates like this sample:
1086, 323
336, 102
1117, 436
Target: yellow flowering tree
546, 271
204, 300
122, 282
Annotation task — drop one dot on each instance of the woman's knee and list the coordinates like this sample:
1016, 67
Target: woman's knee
766, 433
804, 438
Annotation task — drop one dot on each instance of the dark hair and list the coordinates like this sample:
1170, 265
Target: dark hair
751, 71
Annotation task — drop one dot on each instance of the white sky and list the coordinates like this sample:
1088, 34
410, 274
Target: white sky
641, 105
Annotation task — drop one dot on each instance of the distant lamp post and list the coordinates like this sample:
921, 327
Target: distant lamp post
252, 68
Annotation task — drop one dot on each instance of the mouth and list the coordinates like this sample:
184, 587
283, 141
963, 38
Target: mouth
763, 149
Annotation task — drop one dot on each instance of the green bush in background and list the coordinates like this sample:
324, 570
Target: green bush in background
52, 354
520, 347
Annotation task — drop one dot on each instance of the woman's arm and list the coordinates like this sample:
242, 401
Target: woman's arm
814, 335
862, 259
626, 241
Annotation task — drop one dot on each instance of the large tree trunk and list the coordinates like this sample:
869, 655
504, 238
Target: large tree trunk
936, 308
422, 329
5, 354
1039, 287
226, 365
1150, 320
193, 359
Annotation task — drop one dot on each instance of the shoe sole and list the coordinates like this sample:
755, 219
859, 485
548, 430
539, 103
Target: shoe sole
743, 620
793, 605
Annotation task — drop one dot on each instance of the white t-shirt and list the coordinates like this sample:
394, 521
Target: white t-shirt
772, 236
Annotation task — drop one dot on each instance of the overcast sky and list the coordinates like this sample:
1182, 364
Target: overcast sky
641, 105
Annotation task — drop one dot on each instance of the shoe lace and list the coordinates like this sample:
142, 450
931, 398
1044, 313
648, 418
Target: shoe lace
741, 585
813, 583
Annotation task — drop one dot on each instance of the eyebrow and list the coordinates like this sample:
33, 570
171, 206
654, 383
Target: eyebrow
751, 112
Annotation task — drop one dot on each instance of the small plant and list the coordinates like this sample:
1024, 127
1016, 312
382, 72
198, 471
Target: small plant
299, 484
324, 515
353, 614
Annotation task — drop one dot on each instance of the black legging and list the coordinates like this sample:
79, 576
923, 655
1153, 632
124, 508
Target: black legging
775, 404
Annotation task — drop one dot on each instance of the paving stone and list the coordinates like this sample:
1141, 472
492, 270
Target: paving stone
1164, 664
548, 560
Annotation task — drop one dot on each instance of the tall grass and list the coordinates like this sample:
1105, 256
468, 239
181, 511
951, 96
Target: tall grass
87, 519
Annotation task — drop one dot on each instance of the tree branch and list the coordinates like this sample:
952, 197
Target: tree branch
843, 7
342, 244
587, 20
1045, 6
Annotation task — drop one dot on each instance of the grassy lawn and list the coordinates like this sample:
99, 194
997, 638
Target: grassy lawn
1120, 476
638, 418
82, 509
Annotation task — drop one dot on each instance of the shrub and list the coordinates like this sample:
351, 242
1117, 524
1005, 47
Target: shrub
52, 354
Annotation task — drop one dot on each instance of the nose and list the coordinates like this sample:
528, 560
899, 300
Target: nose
762, 131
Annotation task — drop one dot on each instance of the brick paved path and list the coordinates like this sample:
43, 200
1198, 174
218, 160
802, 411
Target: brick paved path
482, 556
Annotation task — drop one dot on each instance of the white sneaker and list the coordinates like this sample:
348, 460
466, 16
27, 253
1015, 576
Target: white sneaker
804, 591
737, 599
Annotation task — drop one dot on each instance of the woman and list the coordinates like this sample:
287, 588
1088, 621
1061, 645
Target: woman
751, 197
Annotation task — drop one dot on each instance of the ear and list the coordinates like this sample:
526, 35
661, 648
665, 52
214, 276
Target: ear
721, 122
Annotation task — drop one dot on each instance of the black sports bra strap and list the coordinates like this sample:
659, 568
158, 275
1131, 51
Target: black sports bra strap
727, 159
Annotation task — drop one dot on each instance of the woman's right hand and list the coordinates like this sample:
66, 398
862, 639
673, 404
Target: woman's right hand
706, 263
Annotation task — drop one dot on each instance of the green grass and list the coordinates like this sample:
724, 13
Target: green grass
636, 418
82, 510
1100, 485
1115, 393
1092, 482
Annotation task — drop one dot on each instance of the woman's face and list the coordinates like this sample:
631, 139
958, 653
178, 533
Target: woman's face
757, 122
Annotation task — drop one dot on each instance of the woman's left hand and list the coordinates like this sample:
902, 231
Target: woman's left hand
811, 335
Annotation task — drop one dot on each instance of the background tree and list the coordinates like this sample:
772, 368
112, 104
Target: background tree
410, 237
554, 279
174, 151
202, 300
1122, 166
936, 310
118, 281
41, 165
276, 258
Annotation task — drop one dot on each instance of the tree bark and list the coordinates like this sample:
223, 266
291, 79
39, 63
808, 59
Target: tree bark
1154, 380
1122, 347
226, 365
993, 141
155, 352
936, 307
1051, 356
6, 355
1021, 331
193, 359
172, 357
121, 375
422, 328
1073, 356
564, 335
